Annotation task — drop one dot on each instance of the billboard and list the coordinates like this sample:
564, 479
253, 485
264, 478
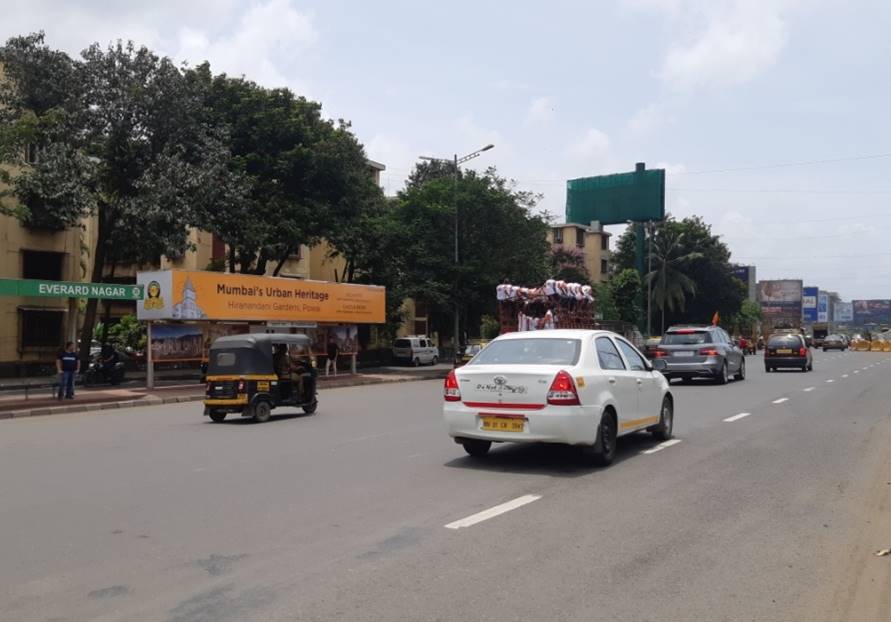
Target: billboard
177, 342
746, 274
781, 298
844, 312
194, 295
872, 312
823, 307
638, 196
809, 297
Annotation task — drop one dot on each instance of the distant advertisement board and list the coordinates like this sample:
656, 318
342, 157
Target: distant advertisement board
177, 342
809, 297
780, 298
872, 312
823, 307
844, 312
741, 272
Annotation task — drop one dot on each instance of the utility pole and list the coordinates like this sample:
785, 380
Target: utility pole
456, 162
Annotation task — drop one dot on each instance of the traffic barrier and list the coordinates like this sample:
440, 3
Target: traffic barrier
877, 346
887, 346
861, 345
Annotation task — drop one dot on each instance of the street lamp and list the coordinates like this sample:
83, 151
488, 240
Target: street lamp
456, 162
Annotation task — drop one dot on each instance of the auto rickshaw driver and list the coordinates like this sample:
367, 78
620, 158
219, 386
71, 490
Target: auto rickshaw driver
299, 367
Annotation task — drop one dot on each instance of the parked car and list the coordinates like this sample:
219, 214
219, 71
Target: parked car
579, 387
787, 350
701, 352
415, 350
834, 342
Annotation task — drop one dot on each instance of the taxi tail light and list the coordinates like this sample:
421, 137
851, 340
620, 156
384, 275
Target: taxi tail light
709, 352
241, 386
802, 352
451, 392
563, 391
658, 354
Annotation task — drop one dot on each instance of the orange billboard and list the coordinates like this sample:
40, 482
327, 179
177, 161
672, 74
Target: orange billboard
194, 295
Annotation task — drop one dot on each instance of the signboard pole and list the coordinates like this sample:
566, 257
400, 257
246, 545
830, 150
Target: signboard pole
149, 361
353, 364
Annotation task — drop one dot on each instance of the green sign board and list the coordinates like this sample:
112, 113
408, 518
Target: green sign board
638, 196
66, 289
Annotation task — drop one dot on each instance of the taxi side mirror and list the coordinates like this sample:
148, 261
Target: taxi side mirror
659, 365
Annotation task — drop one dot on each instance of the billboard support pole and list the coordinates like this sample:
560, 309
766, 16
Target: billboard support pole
639, 257
149, 361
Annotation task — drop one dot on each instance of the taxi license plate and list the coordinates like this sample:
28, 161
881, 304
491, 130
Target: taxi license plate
503, 424
784, 351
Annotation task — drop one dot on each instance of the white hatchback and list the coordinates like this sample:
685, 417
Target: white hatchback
579, 387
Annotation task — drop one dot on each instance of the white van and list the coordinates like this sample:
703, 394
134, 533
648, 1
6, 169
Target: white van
415, 349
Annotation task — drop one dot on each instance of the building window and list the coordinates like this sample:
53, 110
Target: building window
42, 265
604, 243
558, 236
580, 238
604, 266
42, 329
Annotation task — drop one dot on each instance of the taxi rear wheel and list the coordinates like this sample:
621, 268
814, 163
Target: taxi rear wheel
476, 447
605, 447
262, 412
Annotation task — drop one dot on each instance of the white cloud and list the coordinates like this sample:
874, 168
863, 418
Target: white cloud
540, 112
264, 41
593, 145
399, 158
645, 119
739, 42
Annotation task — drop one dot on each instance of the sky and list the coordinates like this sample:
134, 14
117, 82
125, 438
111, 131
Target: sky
769, 116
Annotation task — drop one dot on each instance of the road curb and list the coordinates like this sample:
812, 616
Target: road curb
154, 400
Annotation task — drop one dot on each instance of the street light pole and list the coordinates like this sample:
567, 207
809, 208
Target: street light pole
456, 162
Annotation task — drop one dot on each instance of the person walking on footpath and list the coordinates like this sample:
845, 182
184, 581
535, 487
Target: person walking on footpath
68, 364
332, 352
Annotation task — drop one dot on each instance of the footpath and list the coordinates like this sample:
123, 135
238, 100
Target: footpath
38, 399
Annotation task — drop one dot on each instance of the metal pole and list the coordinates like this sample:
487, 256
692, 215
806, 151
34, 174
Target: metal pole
457, 281
149, 361
649, 230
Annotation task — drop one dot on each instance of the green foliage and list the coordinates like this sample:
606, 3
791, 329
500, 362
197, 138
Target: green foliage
623, 255
626, 291
125, 334
745, 321
605, 302
670, 256
568, 264
490, 327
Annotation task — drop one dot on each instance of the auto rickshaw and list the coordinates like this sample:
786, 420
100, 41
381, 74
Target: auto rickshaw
241, 376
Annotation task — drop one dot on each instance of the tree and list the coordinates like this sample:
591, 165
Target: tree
605, 302
500, 238
568, 264
120, 138
746, 319
623, 257
305, 178
626, 293
670, 285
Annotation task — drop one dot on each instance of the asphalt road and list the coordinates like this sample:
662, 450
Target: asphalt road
157, 514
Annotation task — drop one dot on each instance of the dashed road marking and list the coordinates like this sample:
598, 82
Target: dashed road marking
856, 371
661, 446
737, 417
781, 400
844, 375
830, 380
498, 510
809, 389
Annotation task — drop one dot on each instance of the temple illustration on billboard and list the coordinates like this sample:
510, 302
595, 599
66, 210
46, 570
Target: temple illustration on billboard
188, 309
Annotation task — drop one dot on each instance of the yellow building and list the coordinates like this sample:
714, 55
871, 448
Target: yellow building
590, 241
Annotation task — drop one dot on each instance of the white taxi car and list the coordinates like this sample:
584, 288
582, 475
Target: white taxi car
579, 387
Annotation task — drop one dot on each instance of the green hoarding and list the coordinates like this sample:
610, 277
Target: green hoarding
638, 196
67, 289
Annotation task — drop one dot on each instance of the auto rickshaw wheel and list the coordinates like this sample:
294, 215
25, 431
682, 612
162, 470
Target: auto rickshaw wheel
217, 416
262, 411
311, 408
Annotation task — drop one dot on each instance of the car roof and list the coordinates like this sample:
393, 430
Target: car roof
251, 340
690, 327
562, 333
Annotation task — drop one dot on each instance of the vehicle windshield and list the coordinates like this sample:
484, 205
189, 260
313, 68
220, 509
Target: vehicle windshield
686, 338
530, 352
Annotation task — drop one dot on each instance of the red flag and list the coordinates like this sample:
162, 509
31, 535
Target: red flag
716, 318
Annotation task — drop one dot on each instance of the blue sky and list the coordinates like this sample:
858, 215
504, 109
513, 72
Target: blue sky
567, 89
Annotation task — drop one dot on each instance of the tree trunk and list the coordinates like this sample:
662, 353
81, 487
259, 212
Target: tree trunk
262, 260
106, 317
232, 259
281, 261
99, 253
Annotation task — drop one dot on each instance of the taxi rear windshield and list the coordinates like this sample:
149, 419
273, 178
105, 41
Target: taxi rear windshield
784, 342
530, 352
691, 338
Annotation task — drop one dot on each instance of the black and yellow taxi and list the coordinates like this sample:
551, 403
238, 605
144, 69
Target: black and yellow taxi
253, 374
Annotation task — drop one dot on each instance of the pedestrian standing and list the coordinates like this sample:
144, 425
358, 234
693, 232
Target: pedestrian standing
68, 365
332, 352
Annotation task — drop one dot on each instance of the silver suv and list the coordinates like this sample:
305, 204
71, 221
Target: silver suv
700, 352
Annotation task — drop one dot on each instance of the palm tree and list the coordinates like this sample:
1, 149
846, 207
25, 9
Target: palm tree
670, 285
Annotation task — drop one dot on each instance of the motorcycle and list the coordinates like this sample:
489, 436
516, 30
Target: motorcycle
98, 373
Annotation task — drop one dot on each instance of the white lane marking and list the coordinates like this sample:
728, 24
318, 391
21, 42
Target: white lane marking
737, 417
498, 510
661, 446
865, 368
856, 371
781, 400
830, 380
809, 389
844, 375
